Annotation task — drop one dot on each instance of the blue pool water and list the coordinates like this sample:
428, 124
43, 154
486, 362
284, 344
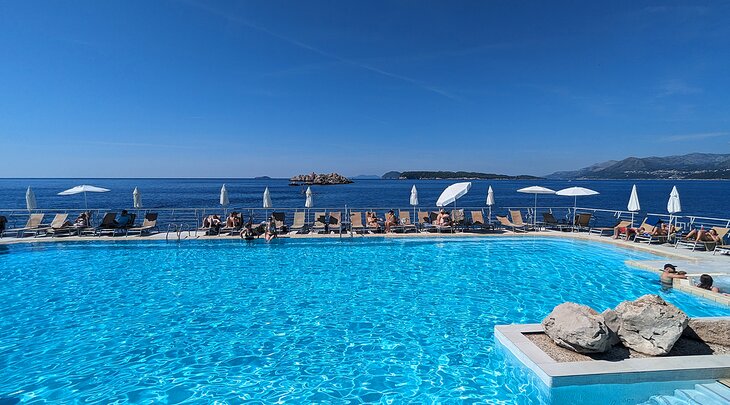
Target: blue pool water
295, 320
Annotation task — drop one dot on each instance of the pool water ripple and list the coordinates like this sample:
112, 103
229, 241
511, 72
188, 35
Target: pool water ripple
291, 321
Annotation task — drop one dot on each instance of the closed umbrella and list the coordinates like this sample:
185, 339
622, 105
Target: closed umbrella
30, 202
309, 201
84, 188
453, 193
576, 192
224, 196
536, 190
673, 205
634, 205
137, 198
414, 199
267, 201
490, 202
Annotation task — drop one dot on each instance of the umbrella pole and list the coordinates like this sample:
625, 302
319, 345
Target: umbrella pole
86, 204
534, 213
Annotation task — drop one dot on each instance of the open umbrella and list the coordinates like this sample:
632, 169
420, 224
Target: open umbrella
536, 190
453, 193
267, 201
137, 198
576, 192
490, 202
84, 188
30, 202
673, 205
414, 199
634, 205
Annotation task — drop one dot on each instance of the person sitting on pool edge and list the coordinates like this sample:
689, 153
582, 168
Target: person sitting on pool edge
122, 220
706, 282
270, 229
233, 220
669, 274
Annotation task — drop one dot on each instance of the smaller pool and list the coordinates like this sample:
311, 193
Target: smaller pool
721, 282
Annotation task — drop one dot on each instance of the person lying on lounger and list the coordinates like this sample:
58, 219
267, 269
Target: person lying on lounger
122, 220
390, 220
704, 236
373, 220
82, 221
233, 220
706, 283
443, 218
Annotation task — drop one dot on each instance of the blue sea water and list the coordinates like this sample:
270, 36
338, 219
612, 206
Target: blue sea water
701, 198
299, 321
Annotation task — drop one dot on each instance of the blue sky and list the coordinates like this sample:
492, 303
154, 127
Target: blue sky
241, 89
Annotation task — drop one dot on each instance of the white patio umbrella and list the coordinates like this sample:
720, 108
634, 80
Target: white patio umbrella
490, 202
536, 190
453, 193
224, 196
30, 202
576, 192
634, 205
267, 202
308, 202
137, 198
84, 188
414, 199
673, 205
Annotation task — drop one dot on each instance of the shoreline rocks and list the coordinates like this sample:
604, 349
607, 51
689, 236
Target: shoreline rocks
650, 325
319, 179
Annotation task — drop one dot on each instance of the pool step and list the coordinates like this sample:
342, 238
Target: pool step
702, 394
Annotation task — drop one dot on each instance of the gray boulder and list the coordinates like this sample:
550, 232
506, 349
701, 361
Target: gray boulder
578, 328
612, 323
650, 325
709, 330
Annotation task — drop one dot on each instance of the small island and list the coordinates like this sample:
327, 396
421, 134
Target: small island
460, 175
319, 179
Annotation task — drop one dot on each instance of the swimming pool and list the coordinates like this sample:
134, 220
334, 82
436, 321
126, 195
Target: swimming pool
295, 320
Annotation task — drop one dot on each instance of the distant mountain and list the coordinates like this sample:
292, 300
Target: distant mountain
366, 177
262, 178
428, 175
704, 166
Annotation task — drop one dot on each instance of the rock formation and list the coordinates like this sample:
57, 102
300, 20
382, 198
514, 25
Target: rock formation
319, 179
577, 327
650, 325
709, 330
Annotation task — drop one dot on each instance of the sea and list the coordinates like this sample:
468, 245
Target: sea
705, 198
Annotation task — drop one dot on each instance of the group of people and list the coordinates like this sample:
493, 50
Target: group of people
670, 272
660, 229
213, 225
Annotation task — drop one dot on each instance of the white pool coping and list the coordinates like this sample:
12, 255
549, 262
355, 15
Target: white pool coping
656, 369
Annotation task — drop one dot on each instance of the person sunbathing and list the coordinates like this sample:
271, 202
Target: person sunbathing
82, 221
233, 220
122, 220
372, 220
702, 235
706, 282
270, 229
443, 218
390, 220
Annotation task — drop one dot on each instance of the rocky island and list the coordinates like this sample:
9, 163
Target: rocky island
319, 179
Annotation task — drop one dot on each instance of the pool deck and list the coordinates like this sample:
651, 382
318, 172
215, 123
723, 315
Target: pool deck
694, 263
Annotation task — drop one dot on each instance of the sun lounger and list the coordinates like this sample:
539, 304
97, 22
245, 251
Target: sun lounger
722, 249
694, 244
299, 222
334, 222
404, 218
33, 224
582, 222
517, 220
507, 224
232, 230
549, 222
279, 220
424, 220
149, 223
356, 222
320, 222
107, 225
458, 219
374, 228
654, 234
60, 226
477, 221
609, 229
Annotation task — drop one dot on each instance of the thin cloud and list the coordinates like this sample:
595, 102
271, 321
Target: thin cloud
677, 87
694, 137
141, 145
321, 52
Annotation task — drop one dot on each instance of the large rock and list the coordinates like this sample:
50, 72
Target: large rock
650, 325
613, 323
577, 327
709, 330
